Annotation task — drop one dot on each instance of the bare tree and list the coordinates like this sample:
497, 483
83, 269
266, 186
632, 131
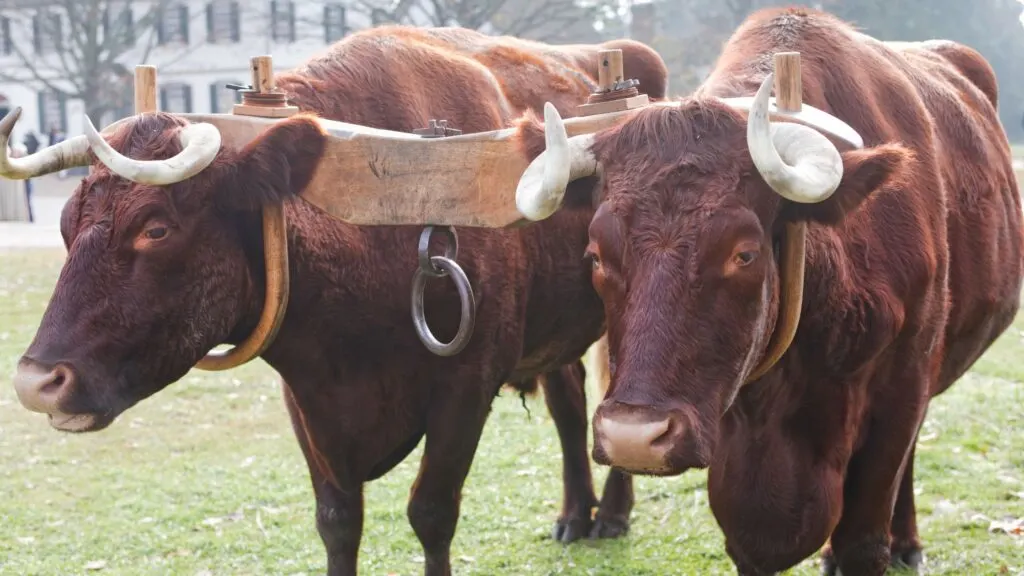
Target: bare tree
547, 20
86, 49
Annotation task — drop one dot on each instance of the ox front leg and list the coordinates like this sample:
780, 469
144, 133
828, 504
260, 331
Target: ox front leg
339, 512
861, 542
454, 425
565, 395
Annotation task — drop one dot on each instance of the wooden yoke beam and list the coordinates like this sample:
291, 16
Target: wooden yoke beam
788, 100
263, 100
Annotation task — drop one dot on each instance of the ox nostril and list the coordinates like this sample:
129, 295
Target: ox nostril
39, 388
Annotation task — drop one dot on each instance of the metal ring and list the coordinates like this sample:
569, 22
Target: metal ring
466, 323
451, 251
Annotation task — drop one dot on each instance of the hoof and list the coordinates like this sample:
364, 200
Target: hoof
612, 527
907, 559
571, 529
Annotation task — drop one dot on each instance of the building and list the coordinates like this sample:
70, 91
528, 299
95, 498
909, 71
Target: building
198, 47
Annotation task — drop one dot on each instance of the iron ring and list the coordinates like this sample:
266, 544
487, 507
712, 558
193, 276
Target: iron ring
451, 251
466, 297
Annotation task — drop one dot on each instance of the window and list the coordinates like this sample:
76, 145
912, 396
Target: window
52, 112
47, 32
119, 24
222, 98
334, 22
222, 21
176, 97
282, 21
6, 47
172, 24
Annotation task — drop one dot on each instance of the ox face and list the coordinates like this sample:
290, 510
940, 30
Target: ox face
684, 252
155, 275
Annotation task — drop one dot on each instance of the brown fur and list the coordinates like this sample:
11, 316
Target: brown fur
131, 314
913, 269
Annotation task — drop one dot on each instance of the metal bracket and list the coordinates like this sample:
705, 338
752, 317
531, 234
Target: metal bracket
437, 129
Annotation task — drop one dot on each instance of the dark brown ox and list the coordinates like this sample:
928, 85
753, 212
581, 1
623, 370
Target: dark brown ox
156, 276
913, 267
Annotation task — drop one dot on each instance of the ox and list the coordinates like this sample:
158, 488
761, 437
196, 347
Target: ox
159, 274
899, 174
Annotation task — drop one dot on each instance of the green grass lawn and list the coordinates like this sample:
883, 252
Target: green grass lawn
205, 478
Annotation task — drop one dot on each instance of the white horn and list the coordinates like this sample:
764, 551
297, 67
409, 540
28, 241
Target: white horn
543, 184
70, 153
199, 146
798, 162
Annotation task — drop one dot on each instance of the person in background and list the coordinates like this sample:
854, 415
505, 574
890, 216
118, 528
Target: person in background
31, 145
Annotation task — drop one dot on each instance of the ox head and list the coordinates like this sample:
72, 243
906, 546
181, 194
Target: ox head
695, 201
158, 271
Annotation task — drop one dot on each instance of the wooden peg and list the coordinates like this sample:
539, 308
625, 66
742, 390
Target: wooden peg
788, 84
145, 89
609, 70
264, 100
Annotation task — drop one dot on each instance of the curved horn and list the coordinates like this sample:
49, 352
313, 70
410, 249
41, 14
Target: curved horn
199, 146
565, 159
70, 153
798, 162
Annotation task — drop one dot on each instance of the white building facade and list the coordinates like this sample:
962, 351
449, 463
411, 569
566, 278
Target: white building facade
197, 46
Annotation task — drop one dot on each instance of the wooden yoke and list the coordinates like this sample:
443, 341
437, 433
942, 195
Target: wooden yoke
263, 100
614, 93
788, 100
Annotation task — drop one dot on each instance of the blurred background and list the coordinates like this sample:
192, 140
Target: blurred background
65, 58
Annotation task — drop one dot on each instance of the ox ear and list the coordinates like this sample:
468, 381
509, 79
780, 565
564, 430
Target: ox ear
275, 166
864, 172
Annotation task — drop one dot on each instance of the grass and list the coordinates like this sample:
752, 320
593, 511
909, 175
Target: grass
206, 478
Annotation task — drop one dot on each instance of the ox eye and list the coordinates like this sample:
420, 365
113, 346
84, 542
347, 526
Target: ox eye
156, 232
745, 258
595, 260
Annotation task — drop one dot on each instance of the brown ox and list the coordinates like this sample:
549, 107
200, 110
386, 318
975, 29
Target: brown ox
158, 275
913, 268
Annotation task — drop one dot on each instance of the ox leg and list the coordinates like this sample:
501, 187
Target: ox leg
565, 396
906, 545
612, 518
455, 422
339, 513
861, 541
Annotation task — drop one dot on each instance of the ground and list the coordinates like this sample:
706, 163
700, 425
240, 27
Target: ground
206, 478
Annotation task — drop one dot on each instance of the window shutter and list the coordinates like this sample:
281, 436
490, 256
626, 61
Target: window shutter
8, 46
40, 101
128, 22
107, 32
163, 99
209, 23
213, 99
187, 97
36, 44
236, 23
327, 23
183, 15
58, 31
291, 21
62, 104
160, 39
273, 20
